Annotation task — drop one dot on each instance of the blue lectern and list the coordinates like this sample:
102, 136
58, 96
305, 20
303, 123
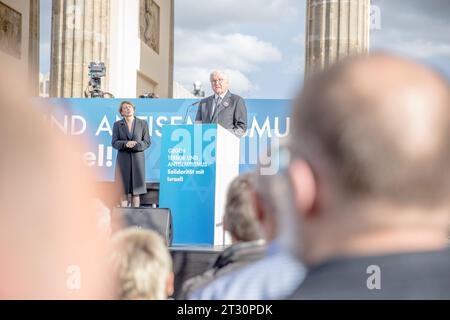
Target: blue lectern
198, 162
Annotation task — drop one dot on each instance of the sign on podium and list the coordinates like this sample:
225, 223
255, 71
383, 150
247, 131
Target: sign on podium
198, 162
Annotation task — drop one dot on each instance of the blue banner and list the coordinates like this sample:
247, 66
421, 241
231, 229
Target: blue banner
92, 120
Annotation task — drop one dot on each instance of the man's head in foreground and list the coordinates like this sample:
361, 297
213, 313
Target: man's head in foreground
371, 159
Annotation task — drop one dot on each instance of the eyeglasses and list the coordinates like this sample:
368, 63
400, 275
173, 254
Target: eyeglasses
217, 81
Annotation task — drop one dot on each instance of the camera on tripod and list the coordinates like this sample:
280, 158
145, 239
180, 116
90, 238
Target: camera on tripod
97, 70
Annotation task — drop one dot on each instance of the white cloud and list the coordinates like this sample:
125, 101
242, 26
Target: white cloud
239, 83
212, 50
198, 53
233, 35
200, 14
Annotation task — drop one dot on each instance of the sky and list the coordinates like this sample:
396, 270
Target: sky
260, 43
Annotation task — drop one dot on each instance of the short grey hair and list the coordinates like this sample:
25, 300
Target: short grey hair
142, 264
240, 214
219, 73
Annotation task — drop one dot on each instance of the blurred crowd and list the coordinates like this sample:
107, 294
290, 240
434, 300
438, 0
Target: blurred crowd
359, 208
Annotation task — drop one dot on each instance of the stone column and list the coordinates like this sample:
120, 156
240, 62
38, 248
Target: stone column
335, 29
79, 35
33, 49
171, 47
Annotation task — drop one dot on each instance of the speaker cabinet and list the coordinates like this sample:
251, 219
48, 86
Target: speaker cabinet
157, 219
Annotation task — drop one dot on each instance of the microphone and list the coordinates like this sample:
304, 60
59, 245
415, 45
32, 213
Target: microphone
188, 109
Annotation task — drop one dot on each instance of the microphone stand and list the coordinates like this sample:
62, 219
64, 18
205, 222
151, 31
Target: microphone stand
188, 109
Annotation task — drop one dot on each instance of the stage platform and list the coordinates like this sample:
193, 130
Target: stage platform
189, 261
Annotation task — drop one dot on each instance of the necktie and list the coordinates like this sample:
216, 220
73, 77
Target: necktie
216, 104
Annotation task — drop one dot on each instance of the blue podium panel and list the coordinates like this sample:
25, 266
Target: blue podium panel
188, 181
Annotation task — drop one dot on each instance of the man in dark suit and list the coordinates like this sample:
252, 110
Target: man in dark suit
223, 107
370, 171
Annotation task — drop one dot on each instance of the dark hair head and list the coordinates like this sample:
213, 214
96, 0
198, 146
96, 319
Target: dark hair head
124, 103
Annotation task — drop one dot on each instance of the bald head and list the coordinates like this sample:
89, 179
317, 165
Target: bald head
379, 126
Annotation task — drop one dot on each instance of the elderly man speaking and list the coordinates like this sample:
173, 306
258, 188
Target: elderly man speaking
223, 107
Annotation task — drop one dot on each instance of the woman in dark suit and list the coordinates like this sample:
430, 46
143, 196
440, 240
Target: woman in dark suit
131, 138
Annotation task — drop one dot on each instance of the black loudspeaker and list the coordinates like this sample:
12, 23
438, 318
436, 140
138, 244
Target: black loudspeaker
152, 196
157, 219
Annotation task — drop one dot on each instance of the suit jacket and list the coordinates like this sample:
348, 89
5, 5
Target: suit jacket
231, 113
231, 259
130, 163
408, 275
